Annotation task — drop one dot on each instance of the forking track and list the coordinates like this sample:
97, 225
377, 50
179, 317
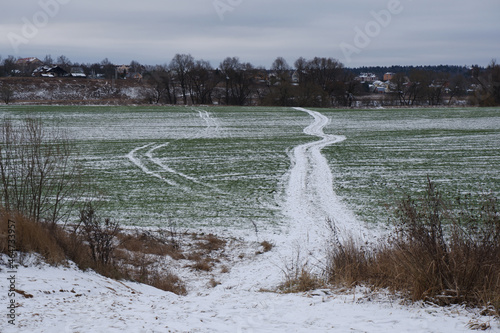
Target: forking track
169, 174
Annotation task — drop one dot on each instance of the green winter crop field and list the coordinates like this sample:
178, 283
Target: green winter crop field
391, 152
227, 166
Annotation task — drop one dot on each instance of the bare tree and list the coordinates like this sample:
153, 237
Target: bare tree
10, 66
402, 87
201, 81
300, 66
239, 79
98, 235
38, 175
136, 67
159, 85
48, 60
322, 82
280, 83
6, 93
64, 62
458, 87
488, 82
108, 69
181, 64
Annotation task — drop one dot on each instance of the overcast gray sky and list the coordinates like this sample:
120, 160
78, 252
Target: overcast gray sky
357, 32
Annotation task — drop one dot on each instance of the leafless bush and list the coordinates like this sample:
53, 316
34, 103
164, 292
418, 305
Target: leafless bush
211, 243
99, 235
6, 93
38, 175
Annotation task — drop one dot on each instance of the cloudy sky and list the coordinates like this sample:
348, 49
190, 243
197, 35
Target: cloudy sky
357, 32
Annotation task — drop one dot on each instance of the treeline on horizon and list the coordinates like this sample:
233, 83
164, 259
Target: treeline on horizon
316, 82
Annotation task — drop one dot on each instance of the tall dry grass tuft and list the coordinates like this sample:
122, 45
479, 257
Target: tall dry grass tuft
30, 237
299, 276
435, 254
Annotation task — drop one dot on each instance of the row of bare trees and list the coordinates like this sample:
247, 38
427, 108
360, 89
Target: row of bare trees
316, 82
422, 87
320, 82
184, 77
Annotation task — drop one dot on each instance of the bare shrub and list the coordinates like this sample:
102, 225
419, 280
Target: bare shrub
39, 178
99, 235
91, 244
213, 283
301, 281
347, 263
6, 93
144, 268
167, 281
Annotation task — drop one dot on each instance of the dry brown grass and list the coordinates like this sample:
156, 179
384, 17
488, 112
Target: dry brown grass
301, 281
203, 264
168, 281
210, 243
266, 247
213, 283
57, 244
434, 254
30, 237
299, 276
157, 243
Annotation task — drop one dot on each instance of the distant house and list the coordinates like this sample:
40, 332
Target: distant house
261, 77
367, 77
388, 76
26, 65
28, 61
380, 87
49, 71
77, 72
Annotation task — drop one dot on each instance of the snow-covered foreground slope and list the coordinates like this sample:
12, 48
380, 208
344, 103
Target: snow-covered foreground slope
68, 300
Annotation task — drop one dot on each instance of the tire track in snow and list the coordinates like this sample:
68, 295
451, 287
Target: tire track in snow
166, 168
132, 157
309, 196
211, 124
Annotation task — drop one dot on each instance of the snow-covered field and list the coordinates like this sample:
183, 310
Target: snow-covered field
67, 300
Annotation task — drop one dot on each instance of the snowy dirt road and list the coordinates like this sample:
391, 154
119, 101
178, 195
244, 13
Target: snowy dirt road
310, 199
